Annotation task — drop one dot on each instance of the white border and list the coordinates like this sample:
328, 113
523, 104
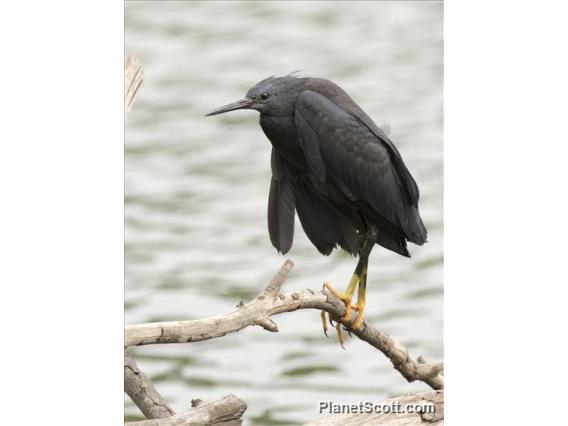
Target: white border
61, 226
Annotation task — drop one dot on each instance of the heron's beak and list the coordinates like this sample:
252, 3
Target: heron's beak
245, 103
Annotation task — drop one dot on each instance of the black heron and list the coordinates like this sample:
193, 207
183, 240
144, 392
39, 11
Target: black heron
339, 171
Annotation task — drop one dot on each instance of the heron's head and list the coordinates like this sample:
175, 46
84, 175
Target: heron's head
272, 96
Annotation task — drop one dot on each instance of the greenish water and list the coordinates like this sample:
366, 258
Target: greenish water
196, 193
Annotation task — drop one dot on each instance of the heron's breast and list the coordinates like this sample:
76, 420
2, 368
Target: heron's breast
282, 134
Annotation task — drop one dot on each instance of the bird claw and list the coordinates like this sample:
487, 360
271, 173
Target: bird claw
340, 335
338, 325
323, 315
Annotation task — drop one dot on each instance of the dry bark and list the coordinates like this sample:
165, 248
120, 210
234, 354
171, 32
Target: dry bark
227, 411
133, 80
142, 392
271, 302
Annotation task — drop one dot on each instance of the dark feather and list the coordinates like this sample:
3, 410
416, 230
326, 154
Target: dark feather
323, 225
361, 165
309, 141
281, 210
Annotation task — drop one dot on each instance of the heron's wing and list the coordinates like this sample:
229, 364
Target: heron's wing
338, 145
408, 183
281, 206
324, 226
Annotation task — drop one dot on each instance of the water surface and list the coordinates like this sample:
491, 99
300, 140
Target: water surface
196, 193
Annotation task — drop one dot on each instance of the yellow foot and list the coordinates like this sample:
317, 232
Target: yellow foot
324, 320
344, 297
359, 318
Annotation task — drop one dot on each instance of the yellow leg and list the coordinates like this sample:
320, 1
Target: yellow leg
361, 301
358, 281
345, 297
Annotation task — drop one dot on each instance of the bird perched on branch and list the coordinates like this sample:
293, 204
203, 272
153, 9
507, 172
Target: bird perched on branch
339, 171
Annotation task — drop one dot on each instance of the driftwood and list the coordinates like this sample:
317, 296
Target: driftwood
227, 411
271, 302
398, 414
142, 392
133, 80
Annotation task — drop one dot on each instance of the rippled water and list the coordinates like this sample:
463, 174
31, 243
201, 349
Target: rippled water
196, 193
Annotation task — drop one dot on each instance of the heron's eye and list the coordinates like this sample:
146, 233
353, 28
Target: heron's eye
264, 96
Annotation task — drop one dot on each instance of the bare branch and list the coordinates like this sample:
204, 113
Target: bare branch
133, 80
256, 312
142, 392
227, 411
273, 288
269, 303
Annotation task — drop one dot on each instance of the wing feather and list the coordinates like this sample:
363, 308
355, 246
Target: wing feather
281, 208
362, 164
324, 227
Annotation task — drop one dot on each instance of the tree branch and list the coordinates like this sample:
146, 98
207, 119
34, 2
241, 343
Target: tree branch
227, 411
140, 389
133, 80
271, 302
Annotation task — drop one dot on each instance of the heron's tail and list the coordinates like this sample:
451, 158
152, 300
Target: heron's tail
416, 232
